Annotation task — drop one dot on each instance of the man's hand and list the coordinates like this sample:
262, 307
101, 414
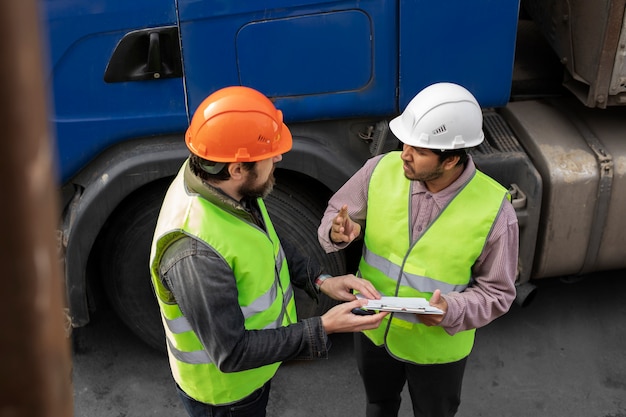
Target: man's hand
436, 301
340, 288
343, 228
341, 319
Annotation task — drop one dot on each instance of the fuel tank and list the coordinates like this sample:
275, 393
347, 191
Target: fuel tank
580, 153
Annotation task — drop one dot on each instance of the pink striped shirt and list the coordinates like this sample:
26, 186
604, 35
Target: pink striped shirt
492, 290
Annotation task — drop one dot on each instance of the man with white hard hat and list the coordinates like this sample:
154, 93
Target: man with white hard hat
433, 226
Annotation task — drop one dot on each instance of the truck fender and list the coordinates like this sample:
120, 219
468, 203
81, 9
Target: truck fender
317, 158
98, 189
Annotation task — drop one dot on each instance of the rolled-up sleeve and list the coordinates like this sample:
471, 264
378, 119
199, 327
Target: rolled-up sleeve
353, 194
493, 279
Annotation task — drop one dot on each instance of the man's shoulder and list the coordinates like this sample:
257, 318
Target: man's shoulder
183, 247
491, 181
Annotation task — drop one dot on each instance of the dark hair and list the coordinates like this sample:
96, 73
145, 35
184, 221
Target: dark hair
449, 153
200, 168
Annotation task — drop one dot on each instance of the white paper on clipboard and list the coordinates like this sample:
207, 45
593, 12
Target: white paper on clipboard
416, 305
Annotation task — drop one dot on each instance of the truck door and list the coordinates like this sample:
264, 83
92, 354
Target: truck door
317, 60
105, 89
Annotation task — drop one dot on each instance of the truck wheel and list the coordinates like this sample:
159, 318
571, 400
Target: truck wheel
124, 257
127, 236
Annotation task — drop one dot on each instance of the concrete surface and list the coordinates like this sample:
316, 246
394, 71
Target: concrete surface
563, 355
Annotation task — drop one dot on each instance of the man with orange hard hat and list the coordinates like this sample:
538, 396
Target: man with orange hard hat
222, 278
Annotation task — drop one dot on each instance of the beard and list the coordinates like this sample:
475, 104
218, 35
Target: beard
250, 189
424, 176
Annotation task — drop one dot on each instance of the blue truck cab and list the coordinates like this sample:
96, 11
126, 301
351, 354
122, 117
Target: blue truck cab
125, 78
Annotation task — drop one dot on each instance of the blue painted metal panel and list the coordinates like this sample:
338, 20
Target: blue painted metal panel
88, 114
342, 38
317, 60
471, 43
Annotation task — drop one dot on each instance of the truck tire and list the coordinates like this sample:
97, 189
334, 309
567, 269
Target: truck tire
124, 251
296, 206
124, 257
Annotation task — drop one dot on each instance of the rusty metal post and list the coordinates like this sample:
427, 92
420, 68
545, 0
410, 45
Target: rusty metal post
35, 361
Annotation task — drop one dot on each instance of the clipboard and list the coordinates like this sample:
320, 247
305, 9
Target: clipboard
417, 305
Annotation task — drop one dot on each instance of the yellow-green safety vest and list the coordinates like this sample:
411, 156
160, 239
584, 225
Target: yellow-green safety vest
442, 258
265, 293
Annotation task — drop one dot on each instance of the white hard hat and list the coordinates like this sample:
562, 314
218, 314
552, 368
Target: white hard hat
441, 116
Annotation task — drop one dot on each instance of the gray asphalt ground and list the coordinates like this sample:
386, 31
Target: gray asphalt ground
562, 356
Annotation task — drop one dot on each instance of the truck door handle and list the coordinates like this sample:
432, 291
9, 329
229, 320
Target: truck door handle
147, 54
154, 55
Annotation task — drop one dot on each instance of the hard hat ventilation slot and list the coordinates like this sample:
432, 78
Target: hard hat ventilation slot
440, 130
263, 139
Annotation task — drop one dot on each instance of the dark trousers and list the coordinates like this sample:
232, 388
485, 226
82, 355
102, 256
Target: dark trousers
435, 389
254, 405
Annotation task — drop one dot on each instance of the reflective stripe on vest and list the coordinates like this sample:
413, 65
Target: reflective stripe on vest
441, 258
419, 282
265, 294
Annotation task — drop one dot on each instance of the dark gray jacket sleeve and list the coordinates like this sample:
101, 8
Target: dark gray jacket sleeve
302, 269
205, 289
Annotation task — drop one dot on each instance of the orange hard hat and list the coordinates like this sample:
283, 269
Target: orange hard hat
237, 124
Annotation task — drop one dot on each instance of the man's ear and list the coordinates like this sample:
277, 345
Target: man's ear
451, 161
235, 169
